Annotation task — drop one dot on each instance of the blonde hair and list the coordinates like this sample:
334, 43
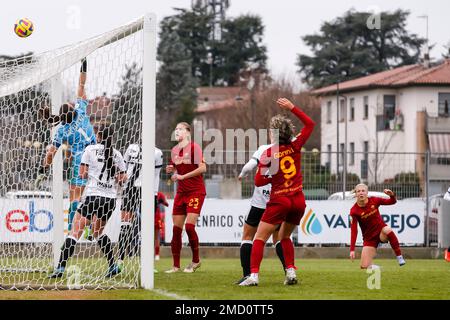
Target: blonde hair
360, 185
186, 125
283, 128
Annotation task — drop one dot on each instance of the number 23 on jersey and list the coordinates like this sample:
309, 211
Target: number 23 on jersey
193, 202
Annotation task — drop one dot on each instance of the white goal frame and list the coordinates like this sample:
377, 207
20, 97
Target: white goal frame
148, 25
148, 152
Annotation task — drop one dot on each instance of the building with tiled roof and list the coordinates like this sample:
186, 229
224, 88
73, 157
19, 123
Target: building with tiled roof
384, 119
210, 99
406, 76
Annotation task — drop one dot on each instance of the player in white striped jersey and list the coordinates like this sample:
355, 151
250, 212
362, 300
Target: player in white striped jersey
131, 202
258, 203
105, 170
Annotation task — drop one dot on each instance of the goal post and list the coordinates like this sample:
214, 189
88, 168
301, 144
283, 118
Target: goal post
148, 153
57, 173
120, 89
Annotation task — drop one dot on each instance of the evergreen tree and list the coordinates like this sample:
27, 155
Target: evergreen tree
241, 44
193, 30
176, 87
127, 105
347, 48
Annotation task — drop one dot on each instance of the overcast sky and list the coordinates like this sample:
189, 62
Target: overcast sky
286, 21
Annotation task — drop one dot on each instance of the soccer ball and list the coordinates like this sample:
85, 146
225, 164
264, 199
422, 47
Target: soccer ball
23, 27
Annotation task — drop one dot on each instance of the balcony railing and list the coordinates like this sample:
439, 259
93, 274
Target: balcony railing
438, 124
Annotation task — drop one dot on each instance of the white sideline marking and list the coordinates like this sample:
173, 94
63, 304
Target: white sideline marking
170, 294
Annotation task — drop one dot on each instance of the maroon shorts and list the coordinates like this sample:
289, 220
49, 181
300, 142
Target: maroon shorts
373, 239
185, 203
289, 209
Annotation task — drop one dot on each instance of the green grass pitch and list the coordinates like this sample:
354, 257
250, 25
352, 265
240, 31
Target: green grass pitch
319, 279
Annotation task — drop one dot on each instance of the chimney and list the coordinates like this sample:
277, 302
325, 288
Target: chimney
426, 59
426, 55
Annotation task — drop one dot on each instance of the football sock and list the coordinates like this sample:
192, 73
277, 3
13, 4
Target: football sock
105, 245
279, 251
394, 243
288, 253
193, 241
175, 246
72, 210
257, 255
124, 239
245, 254
157, 249
67, 251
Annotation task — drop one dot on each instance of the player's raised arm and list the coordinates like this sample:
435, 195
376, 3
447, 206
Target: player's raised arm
82, 80
386, 202
306, 131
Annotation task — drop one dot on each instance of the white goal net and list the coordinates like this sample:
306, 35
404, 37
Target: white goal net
38, 203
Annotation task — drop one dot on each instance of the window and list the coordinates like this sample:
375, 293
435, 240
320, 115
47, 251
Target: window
352, 109
351, 161
366, 150
342, 110
329, 112
386, 121
444, 101
366, 107
328, 164
389, 107
341, 154
365, 161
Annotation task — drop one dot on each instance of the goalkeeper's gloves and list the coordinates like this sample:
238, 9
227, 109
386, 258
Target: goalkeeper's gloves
83, 65
41, 177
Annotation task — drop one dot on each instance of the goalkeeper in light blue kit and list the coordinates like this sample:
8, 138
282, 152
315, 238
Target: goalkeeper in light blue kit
76, 130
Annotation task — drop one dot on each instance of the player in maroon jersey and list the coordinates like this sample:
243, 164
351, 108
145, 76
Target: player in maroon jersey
160, 200
365, 212
280, 165
187, 166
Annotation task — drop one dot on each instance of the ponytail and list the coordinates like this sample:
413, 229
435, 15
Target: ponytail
106, 134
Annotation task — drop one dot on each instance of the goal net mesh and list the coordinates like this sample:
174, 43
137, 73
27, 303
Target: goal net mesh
114, 92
